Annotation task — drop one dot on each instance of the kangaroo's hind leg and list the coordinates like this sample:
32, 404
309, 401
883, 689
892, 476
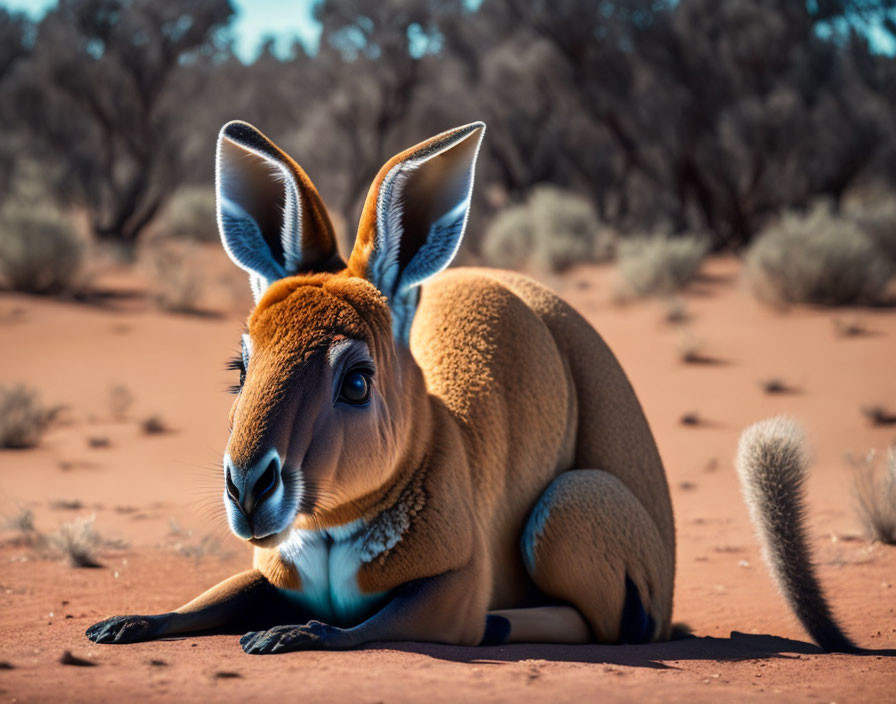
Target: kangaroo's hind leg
590, 542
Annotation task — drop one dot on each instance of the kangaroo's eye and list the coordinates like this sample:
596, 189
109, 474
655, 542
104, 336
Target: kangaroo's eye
355, 387
237, 365
241, 363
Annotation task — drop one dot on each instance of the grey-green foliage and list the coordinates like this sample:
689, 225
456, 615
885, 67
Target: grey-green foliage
659, 265
40, 251
874, 491
190, 214
551, 231
817, 257
878, 221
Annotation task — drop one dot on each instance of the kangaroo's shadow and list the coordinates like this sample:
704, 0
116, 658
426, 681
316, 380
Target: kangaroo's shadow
739, 646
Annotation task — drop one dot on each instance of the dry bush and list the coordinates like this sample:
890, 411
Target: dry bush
566, 230
178, 280
120, 400
153, 425
776, 385
659, 265
878, 221
22, 525
23, 418
676, 311
850, 327
78, 541
207, 546
190, 215
553, 230
819, 258
40, 250
879, 415
507, 242
874, 491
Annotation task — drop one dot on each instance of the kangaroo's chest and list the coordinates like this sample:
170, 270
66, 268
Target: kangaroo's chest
328, 562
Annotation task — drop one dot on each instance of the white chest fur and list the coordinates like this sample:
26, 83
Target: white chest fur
328, 562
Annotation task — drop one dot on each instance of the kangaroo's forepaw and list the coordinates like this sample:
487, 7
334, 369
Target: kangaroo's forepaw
125, 629
313, 635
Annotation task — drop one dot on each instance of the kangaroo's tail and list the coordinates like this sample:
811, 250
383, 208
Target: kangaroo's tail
772, 462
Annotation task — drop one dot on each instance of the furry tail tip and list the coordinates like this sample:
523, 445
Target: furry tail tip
772, 463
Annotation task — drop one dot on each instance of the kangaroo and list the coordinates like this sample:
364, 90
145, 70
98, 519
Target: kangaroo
419, 454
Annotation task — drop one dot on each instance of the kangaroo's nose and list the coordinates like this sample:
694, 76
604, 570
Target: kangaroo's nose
248, 488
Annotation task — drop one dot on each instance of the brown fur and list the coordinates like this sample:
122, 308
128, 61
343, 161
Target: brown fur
503, 392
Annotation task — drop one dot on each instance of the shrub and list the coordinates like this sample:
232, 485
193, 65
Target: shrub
120, 400
566, 230
508, 240
818, 257
40, 251
659, 265
153, 425
878, 221
178, 281
190, 214
23, 419
78, 541
551, 231
875, 496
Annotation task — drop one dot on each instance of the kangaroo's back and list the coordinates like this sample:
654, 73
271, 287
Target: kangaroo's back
536, 391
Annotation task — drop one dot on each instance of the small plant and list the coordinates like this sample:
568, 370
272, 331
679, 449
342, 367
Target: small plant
817, 258
153, 425
190, 215
40, 251
850, 327
875, 495
551, 231
676, 311
178, 279
207, 546
507, 242
120, 400
691, 418
776, 385
22, 524
566, 230
879, 415
689, 348
78, 541
98, 442
878, 221
23, 418
659, 265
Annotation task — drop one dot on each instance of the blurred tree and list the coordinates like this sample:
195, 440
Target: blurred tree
688, 115
105, 93
14, 47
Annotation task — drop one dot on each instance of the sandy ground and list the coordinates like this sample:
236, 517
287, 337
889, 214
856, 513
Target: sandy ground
155, 499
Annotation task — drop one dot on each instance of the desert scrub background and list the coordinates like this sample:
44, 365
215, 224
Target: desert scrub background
178, 281
23, 418
40, 250
817, 257
190, 215
658, 265
874, 492
877, 219
552, 230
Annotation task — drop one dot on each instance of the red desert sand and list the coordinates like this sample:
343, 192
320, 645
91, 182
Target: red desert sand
156, 502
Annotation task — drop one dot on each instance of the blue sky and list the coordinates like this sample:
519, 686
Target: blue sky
288, 19
284, 19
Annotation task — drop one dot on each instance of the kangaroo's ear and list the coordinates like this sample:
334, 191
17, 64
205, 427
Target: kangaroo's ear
273, 223
414, 218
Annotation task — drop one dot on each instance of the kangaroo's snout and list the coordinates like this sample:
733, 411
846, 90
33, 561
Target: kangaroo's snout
255, 496
258, 482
